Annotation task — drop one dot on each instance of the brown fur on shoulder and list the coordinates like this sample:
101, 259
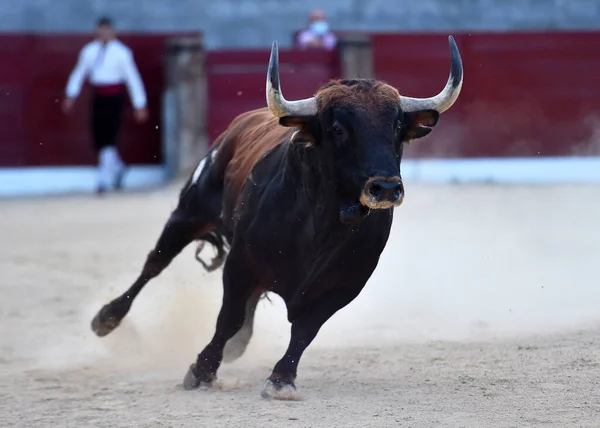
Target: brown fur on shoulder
248, 137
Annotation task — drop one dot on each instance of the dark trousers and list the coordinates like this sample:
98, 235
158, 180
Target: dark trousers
106, 112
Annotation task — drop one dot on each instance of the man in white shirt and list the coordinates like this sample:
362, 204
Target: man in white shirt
109, 66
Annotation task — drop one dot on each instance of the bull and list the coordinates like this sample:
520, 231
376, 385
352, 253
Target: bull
298, 198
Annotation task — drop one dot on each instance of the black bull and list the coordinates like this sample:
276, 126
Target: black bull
302, 193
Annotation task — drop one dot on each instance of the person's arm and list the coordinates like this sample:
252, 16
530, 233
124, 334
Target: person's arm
76, 79
135, 86
330, 41
305, 39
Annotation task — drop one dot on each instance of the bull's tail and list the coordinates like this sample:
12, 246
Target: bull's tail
220, 245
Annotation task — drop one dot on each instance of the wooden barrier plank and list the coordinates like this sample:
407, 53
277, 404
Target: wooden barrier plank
14, 72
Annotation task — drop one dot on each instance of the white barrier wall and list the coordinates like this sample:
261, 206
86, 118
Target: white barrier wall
539, 170
556, 170
65, 180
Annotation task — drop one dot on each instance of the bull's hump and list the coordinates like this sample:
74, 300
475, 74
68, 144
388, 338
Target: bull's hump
249, 138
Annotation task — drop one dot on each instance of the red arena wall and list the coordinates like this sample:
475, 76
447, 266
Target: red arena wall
236, 80
34, 69
525, 94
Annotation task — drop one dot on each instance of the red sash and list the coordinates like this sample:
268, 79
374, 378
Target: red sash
109, 89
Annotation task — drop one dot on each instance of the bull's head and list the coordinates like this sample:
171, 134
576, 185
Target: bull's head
361, 126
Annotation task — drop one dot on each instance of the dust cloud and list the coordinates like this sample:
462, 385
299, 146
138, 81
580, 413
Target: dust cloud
462, 263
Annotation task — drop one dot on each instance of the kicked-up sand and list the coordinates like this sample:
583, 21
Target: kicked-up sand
483, 312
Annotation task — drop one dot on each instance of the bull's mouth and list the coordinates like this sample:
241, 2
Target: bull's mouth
372, 203
350, 213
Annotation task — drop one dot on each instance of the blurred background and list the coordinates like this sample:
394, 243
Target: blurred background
528, 110
484, 306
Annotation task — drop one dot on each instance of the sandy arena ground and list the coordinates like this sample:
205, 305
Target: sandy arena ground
484, 312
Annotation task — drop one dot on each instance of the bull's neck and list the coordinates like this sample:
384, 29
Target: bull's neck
310, 170
315, 181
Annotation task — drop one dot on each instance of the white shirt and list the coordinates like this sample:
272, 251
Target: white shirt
107, 65
306, 37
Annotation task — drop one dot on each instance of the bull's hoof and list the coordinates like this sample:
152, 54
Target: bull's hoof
279, 390
192, 381
105, 321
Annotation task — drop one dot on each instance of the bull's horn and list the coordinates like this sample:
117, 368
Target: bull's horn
444, 100
278, 105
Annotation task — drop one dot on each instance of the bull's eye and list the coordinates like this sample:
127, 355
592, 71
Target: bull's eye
337, 130
398, 133
398, 138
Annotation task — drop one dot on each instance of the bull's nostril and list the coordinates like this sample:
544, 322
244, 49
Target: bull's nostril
398, 192
385, 190
375, 190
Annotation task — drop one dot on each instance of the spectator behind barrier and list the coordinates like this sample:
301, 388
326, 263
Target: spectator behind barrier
317, 35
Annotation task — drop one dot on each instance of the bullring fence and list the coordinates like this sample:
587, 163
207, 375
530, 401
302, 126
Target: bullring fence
529, 110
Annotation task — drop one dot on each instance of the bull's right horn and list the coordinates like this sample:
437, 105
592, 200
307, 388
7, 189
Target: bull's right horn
278, 105
444, 100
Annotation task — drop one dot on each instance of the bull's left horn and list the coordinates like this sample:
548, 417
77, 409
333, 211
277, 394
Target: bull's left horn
278, 105
444, 100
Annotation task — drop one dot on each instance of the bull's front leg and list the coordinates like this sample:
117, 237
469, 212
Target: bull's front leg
238, 285
236, 346
281, 384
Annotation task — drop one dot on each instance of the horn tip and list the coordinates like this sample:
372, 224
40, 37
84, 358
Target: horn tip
456, 63
274, 52
452, 42
273, 72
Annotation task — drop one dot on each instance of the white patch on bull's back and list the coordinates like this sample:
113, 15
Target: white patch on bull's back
201, 165
198, 170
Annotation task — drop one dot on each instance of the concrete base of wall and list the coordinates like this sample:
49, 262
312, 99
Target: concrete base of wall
45, 181
65, 180
542, 170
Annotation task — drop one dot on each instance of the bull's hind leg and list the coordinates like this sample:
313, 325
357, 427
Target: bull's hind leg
179, 231
236, 346
238, 286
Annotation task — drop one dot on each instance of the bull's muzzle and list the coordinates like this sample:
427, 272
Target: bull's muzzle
382, 193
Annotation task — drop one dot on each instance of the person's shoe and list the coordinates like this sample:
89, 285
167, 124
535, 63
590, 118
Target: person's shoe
119, 178
100, 190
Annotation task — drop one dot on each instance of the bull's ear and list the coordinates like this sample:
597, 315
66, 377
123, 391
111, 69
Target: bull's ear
418, 124
308, 128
